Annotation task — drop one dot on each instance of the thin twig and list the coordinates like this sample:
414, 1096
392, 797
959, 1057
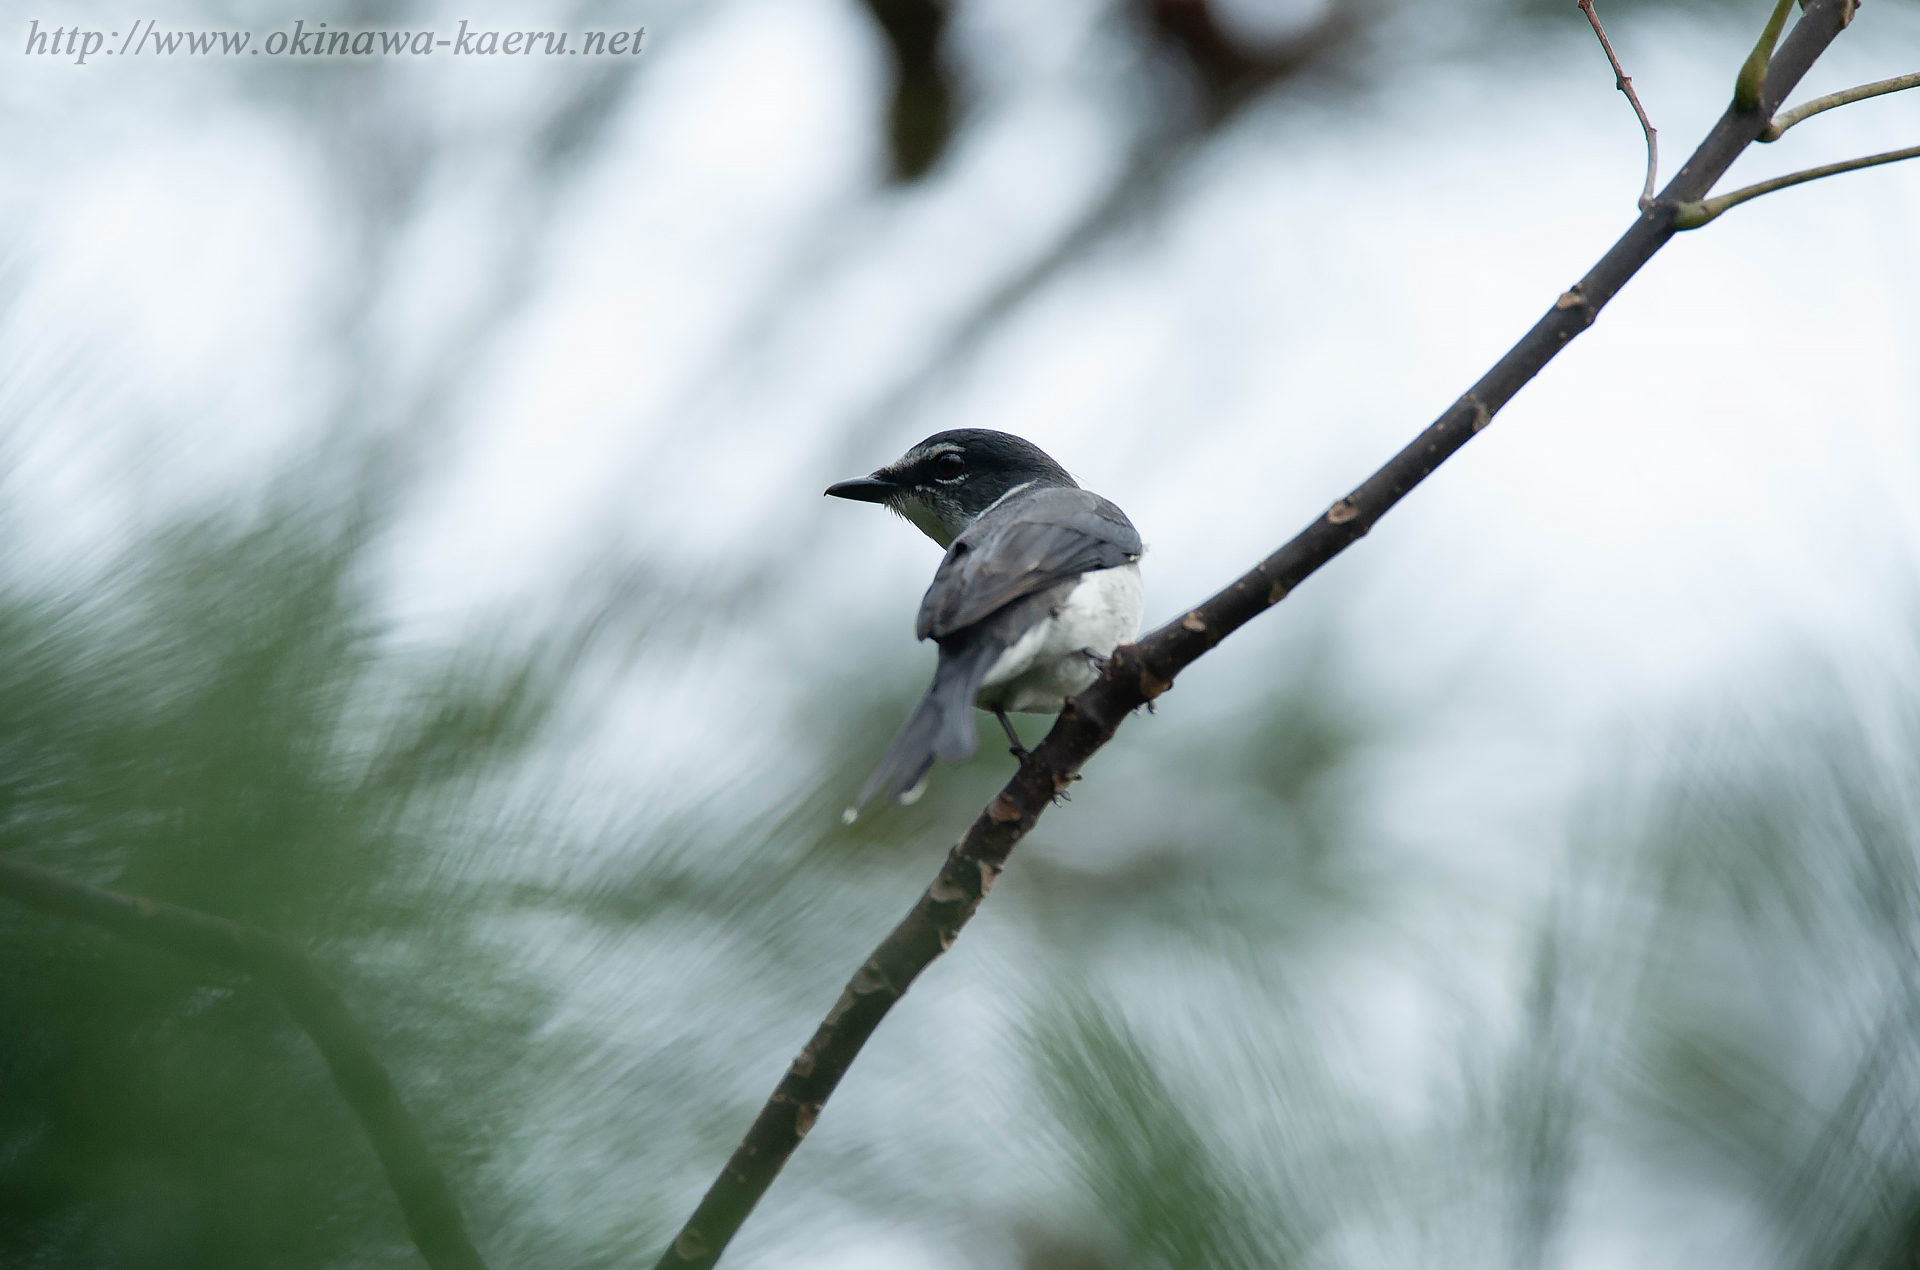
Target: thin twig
1751, 83
425, 1198
1624, 82
1697, 213
1137, 673
1806, 111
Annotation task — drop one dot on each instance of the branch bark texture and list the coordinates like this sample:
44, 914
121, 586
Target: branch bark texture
426, 1200
1137, 673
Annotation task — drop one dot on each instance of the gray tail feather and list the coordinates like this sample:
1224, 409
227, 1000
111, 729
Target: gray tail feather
941, 726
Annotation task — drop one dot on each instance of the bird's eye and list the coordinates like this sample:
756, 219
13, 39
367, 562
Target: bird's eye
949, 465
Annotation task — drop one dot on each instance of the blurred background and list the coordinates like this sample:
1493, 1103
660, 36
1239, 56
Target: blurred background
411, 541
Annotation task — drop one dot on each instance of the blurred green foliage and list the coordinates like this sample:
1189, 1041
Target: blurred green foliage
1778, 1052
214, 721
1168, 1186
1719, 1004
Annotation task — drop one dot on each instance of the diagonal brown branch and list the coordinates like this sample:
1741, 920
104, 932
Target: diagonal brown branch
425, 1198
1624, 82
1137, 673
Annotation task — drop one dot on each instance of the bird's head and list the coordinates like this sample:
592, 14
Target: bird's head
943, 483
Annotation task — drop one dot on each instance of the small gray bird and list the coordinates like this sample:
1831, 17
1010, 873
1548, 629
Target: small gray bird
1041, 582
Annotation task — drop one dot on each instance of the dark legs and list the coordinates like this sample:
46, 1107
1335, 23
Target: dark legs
1019, 751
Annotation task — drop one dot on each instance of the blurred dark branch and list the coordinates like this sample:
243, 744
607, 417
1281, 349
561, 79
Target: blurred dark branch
921, 116
1137, 673
1148, 170
1155, 158
432, 1216
1229, 78
1229, 72
1228, 81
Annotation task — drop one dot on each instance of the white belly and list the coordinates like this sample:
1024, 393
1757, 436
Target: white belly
1050, 662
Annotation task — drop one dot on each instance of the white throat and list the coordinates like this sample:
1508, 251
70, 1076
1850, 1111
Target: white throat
938, 527
923, 518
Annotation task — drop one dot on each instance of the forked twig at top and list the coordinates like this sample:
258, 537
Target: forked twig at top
1624, 82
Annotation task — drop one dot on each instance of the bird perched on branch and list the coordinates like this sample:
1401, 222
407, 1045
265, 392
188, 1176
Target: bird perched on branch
1040, 583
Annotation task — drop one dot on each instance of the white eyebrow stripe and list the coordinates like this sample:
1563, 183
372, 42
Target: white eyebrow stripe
912, 458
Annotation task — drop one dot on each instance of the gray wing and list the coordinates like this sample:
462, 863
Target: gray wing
1024, 546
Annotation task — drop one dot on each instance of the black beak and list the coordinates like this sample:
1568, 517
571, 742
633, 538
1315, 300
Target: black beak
864, 489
